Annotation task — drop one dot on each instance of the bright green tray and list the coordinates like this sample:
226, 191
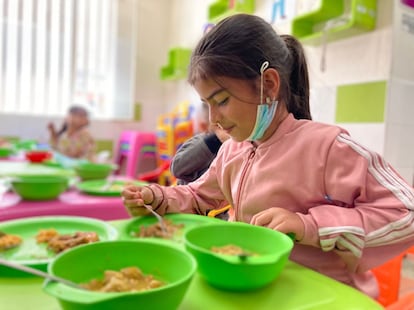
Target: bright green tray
10, 168
98, 187
35, 255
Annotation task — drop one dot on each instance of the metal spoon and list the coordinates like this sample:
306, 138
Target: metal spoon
160, 219
39, 273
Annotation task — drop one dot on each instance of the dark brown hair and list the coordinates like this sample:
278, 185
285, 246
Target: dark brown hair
237, 47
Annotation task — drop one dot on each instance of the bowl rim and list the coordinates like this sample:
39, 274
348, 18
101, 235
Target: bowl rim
38, 179
91, 166
267, 258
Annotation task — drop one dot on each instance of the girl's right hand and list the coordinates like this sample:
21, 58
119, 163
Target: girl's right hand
134, 197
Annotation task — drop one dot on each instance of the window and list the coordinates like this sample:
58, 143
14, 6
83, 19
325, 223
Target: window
57, 52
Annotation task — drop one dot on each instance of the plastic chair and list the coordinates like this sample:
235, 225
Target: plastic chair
406, 302
136, 153
173, 129
160, 175
164, 143
389, 276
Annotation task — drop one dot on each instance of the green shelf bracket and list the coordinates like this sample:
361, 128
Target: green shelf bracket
177, 67
224, 8
335, 20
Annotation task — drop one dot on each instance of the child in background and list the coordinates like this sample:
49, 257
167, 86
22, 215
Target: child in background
73, 138
194, 157
349, 209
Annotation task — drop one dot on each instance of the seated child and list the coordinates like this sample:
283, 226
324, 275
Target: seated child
73, 139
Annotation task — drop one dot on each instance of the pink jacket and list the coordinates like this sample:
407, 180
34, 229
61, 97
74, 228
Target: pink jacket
357, 211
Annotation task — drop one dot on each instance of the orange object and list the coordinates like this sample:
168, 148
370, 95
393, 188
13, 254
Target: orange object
411, 251
388, 276
406, 302
214, 213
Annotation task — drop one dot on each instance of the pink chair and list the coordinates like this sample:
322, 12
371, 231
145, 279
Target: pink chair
136, 153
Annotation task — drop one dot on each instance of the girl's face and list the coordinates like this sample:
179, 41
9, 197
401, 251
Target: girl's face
76, 120
236, 116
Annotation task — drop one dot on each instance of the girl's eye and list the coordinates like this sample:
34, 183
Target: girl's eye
223, 102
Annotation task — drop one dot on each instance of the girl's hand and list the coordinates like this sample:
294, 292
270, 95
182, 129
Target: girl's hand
280, 219
134, 197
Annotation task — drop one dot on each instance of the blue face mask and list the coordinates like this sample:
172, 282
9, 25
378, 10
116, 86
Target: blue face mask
264, 117
265, 111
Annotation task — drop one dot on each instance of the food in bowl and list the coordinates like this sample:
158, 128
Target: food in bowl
238, 272
129, 279
231, 249
44, 235
58, 243
155, 230
166, 262
9, 241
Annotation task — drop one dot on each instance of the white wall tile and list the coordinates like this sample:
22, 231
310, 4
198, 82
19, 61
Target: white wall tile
399, 144
323, 104
400, 101
371, 135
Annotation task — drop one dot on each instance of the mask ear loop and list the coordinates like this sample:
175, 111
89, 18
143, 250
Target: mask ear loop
264, 66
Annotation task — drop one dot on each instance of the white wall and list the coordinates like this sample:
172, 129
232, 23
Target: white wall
399, 144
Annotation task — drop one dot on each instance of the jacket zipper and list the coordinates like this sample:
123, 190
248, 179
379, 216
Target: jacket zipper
239, 189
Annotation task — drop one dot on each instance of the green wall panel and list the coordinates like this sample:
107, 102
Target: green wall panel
361, 103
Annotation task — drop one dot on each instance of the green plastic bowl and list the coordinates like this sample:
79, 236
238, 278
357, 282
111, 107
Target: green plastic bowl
6, 152
93, 171
166, 262
39, 187
238, 273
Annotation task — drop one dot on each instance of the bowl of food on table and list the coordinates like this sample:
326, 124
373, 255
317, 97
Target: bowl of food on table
106, 187
148, 274
237, 256
39, 187
94, 171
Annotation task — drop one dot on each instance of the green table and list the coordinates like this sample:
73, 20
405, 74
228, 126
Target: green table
297, 287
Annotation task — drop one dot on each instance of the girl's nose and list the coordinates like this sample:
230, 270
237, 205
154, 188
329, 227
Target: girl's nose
214, 114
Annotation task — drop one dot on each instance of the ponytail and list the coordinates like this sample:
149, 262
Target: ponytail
298, 88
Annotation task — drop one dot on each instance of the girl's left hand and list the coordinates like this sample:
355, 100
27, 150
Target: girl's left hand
280, 219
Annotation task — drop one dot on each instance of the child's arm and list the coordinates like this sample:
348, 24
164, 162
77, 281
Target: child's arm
195, 156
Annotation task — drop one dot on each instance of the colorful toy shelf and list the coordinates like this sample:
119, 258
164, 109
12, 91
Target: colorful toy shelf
177, 67
335, 20
224, 8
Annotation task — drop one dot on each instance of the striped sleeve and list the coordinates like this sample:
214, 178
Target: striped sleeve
368, 205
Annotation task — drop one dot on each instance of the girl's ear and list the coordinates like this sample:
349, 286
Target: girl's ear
271, 85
